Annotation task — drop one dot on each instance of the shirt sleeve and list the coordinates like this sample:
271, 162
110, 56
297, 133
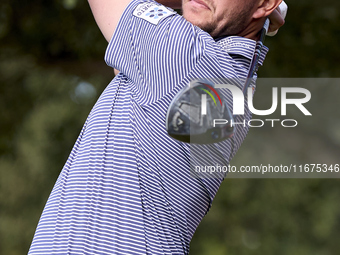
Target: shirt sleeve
155, 47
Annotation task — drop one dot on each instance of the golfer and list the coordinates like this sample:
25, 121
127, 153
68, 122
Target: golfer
126, 186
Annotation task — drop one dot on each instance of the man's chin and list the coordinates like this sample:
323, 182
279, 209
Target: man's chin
197, 18
193, 12
199, 22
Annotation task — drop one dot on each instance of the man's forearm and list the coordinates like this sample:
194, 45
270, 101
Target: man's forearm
175, 4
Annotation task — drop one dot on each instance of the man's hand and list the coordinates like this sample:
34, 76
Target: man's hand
277, 18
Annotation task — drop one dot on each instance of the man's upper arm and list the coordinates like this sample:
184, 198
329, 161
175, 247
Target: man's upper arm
107, 14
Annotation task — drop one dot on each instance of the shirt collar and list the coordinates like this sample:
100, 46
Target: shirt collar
236, 45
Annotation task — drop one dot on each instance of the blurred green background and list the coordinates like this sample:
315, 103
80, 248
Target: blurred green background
51, 73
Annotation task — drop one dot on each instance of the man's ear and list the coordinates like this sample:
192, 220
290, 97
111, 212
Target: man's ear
265, 8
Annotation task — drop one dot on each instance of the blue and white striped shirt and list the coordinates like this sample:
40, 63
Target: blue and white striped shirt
126, 187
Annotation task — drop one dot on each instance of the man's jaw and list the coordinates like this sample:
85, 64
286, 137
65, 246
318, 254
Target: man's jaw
199, 13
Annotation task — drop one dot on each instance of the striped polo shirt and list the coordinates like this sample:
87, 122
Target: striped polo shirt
127, 187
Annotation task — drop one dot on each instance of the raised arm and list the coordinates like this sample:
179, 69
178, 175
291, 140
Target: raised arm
108, 12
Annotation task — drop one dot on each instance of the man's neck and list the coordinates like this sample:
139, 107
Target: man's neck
253, 30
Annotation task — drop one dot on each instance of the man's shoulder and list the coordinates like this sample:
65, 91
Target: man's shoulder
151, 11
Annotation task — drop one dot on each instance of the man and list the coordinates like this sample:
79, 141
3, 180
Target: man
126, 187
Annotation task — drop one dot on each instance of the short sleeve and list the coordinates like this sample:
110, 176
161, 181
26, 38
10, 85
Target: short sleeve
155, 47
